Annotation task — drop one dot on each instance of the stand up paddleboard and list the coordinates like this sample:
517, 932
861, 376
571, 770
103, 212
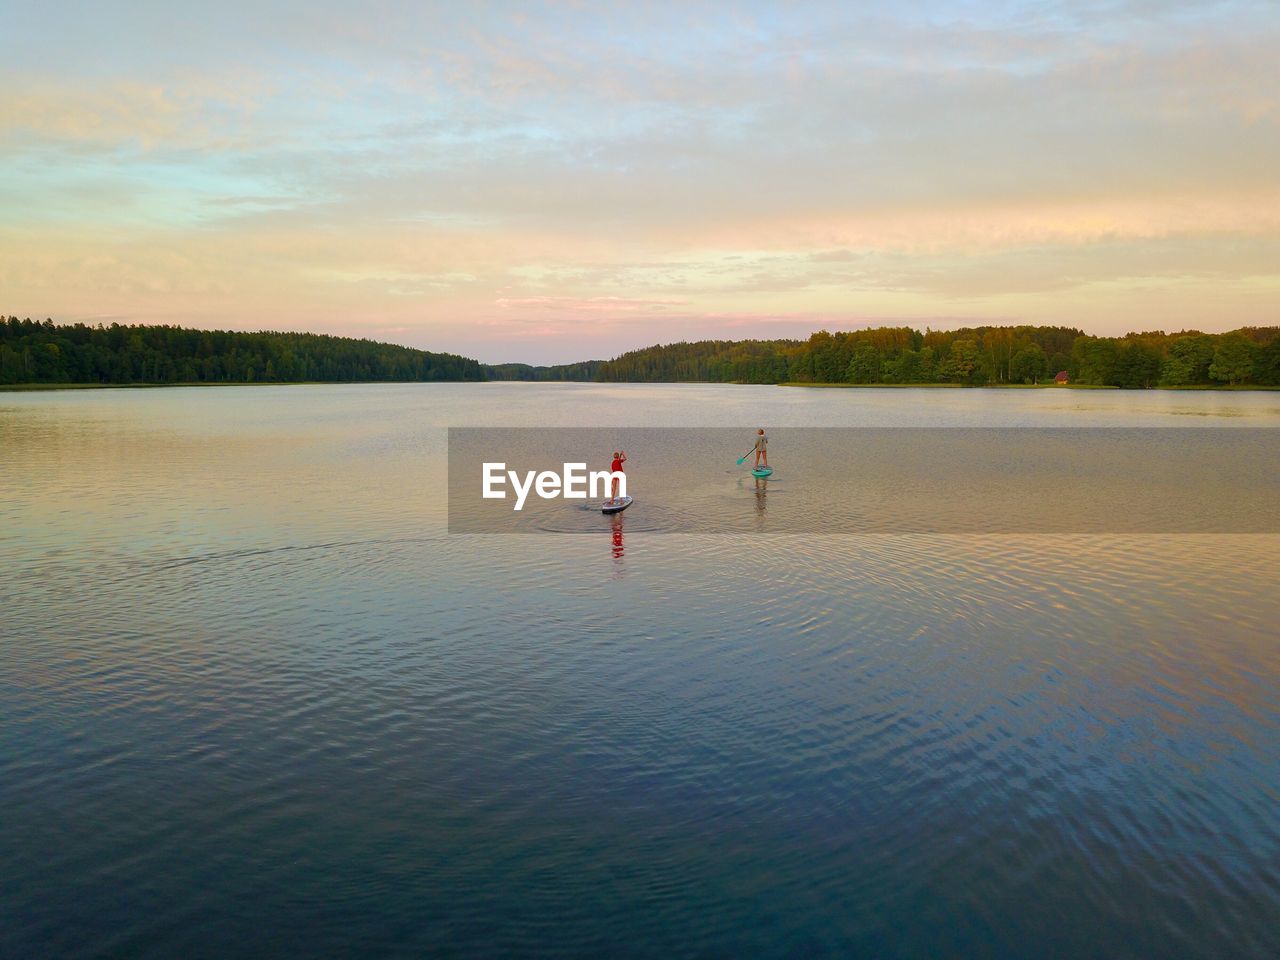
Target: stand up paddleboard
762, 472
615, 506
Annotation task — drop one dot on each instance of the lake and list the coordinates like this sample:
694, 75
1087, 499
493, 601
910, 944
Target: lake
256, 699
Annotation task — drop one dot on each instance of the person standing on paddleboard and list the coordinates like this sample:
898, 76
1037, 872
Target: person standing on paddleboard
762, 451
619, 458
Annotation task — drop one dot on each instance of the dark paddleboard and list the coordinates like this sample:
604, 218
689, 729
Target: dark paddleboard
615, 506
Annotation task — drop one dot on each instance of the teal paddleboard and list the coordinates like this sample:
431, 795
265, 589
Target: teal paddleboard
762, 472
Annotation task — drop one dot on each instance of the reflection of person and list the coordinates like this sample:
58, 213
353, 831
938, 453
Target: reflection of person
617, 537
619, 458
762, 452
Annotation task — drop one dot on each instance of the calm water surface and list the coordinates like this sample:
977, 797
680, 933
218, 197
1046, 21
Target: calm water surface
254, 700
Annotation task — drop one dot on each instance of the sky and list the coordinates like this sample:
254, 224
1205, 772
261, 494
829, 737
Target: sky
562, 181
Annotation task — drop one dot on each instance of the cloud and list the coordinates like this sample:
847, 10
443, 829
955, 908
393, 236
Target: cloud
147, 114
588, 305
547, 167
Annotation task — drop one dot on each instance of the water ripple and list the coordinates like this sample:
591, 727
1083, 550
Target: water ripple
358, 735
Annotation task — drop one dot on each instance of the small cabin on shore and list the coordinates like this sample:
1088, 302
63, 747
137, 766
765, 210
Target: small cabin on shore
1062, 379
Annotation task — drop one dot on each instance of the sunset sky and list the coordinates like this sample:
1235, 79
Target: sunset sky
561, 181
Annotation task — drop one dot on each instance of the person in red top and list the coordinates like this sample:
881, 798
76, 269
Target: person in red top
619, 458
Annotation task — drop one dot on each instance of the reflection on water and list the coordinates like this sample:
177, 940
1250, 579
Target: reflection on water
617, 536
251, 693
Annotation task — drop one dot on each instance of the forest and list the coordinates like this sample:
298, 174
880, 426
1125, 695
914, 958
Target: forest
34, 352
584, 371
974, 356
44, 352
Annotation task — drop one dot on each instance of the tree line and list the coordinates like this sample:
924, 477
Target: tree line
584, 371
44, 352
975, 356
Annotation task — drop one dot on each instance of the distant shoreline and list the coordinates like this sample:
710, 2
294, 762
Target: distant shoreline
45, 355
1223, 388
960, 386
21, 387
1231, 388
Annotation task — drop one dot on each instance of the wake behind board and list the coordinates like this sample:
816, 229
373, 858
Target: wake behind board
762, 472
615, 506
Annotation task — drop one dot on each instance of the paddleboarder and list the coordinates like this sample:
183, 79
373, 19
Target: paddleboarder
619, 458
761, 448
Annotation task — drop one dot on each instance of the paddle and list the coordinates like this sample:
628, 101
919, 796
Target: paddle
745, 455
